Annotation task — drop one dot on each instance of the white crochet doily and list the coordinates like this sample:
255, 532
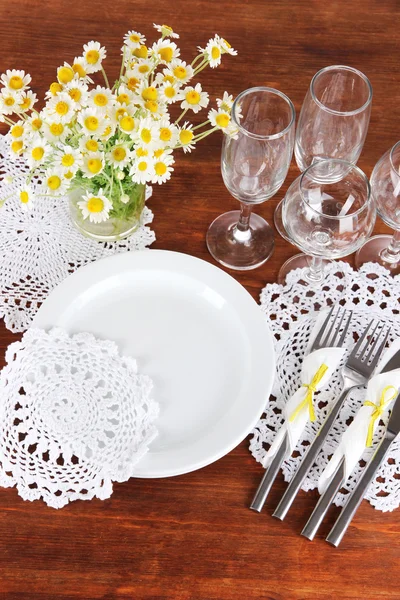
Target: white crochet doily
39, 248
371, 293
74, 416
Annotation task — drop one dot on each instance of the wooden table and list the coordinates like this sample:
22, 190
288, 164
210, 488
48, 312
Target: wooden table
193, 537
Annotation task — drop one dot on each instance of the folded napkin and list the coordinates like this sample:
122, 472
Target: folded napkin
316, 370
381, 391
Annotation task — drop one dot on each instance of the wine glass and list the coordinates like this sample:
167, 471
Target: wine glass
333, 121
385, 185
254, 165
327, 217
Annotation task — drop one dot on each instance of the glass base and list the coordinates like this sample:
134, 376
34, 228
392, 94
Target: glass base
372, 252
278, 222
306, 278
240, 250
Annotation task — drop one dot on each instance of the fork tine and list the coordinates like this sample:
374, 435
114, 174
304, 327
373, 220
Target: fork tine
321, 332
377, 356
345, 330
373, 342
335, 335
361, 340
327, 338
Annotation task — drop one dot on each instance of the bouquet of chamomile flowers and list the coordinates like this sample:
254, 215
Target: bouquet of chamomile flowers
109, 140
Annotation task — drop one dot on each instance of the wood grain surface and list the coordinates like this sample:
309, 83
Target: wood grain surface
193, 537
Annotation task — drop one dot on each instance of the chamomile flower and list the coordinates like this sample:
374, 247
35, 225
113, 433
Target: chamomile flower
78, 92
185, 137
163, 167
95, 207
167, 133
219, 118
62, 107
26, 197
17, 130
226, 47
142, 170
109, 130
89, 144
68, 159
119, 156
38, 151
16, 148
164, 77
102, 99
54, 182
93, 164
27, 100
15, 80
34, 124
134, 39
9, 102
141, 69
166, 31
55, 131
92, 122
127, 124
147, 134
169, 92
193, 98
54, 89
65, 74
213, 52
93, 54
79, 67
181, 71
131, 80
165, 51
124, 96
226, 102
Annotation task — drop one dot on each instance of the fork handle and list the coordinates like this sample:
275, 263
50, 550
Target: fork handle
270, 474
309, 459
325, 501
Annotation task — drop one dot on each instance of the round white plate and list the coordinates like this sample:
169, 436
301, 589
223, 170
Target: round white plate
197, 332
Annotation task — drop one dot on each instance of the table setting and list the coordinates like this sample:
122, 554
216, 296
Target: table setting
146, 363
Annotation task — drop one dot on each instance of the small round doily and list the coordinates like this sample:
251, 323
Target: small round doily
371, 293
74, 417
41, 247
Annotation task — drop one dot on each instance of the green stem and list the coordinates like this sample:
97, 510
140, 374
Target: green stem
200, 67
105, 77
204, 134
201, 124
182, 115
198, 57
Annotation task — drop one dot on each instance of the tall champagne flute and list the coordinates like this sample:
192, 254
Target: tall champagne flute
385, 185
254, 165
333, 121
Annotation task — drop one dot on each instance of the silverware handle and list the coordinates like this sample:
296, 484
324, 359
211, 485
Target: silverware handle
270, 475
325, 501
344, 519
309, 459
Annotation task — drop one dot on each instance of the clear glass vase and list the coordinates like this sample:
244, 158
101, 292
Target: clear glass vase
124, 218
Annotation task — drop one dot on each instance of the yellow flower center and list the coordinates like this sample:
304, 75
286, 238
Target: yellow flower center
180, 72
222, 120
132, 84
25, 104
92, 145
100, 99
56, 129
141, 152
127, 123
142, 166
146, 135
36, 124
227, 43
119, 153
94, 165
140, 52
55, 88
120, 112
95, 205
54, 182
170, 92
185, 136
62, 108
107, 131
160, 168
151, 105
9, 101
149, 93
193, 97
16, 146
166, 54
16, 82
167, 28
169, 78
158, 153
79, 70
17, 131
134, 38
165, 134
92, 57
215, 52
67, 160
92, 123
75, 94
68, 175
144, 69
65, 75
24, 197
37, 153
123, 99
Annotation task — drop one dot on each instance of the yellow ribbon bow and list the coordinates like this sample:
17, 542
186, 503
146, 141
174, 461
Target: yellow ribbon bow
308, 400
379, 410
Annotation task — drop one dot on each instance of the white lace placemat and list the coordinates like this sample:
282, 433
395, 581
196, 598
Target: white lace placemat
74, 417
39, 248
371, 293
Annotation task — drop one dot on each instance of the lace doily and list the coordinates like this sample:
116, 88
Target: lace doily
371, 293
74, 416
39, 248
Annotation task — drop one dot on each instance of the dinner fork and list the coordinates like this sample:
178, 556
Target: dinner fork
358, 369
330, 335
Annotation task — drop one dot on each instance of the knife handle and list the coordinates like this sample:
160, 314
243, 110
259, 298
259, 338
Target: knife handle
344, 519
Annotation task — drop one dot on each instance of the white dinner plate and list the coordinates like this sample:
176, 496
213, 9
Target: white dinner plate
198, 334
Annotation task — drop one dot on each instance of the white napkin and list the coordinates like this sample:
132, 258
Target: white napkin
296, 418
354, 440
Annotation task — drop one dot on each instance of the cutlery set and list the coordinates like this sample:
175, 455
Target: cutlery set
359, 368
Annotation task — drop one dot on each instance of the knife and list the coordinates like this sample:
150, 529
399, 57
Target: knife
338, 477
343, 521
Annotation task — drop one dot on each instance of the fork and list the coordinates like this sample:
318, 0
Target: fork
357, 371
329, 336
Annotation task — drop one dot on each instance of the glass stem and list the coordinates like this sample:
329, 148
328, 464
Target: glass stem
242, 231
391, 254
315, 268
